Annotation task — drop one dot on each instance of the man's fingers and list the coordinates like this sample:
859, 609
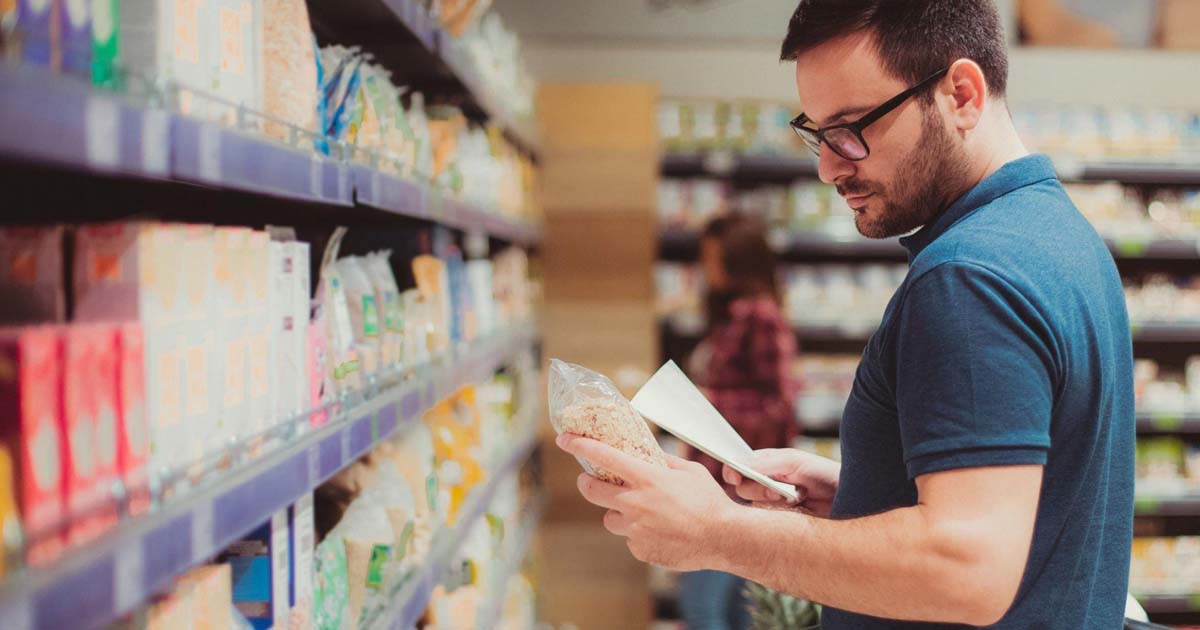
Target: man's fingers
598, 492
731, 476
627, 467
616, 523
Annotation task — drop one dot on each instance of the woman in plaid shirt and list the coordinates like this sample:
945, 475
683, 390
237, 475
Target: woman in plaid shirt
744, 365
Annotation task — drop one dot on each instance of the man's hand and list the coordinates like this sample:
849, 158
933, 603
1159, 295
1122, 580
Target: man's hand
815, 478
670, 516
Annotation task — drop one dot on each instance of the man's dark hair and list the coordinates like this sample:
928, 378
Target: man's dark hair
914, 38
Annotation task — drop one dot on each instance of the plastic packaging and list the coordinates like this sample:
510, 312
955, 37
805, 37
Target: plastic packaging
587, 403
364, 314
289, 67
388, 303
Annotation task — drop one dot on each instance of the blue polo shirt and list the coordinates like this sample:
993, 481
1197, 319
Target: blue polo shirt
1008, 343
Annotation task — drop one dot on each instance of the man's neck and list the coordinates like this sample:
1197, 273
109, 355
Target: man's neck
996, 146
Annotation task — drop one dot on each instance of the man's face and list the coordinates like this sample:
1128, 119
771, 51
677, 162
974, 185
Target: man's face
914, 161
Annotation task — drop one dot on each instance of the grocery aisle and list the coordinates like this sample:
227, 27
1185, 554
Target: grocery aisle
269, 286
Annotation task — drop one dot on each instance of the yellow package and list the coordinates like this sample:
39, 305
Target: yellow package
9, 521
455, 427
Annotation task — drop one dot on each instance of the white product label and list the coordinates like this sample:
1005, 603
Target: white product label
106, 438
101, 124
82, 449
279, 573
210, 153
77, 13
155, 143
128, 578
44, 447
102, 20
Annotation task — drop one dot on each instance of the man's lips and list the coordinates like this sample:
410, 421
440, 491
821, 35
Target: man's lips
856, 201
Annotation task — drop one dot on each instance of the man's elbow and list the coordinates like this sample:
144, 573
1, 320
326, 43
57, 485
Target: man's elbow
979, 581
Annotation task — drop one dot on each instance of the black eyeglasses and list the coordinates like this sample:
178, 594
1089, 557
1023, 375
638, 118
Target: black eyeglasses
846, 139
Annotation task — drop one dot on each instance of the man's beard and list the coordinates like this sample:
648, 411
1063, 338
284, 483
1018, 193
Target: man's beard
928, 182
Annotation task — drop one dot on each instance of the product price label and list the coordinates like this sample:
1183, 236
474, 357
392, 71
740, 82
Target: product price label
155, 142
1131, 247
314, 176
209, 153
101, 126
1147, 505
202, 531
127, 578
1167, 421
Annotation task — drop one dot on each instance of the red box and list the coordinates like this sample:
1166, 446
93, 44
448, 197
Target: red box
31, 403
89, 430
133, 432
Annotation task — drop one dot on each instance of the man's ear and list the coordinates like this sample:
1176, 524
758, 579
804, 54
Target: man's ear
967, 91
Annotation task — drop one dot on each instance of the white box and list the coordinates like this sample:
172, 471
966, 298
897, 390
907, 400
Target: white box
131, 271
281, 560
203, 372
279, 306
301, 308
232, 303
258, 330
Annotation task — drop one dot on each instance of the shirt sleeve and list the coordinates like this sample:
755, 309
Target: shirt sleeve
975, 373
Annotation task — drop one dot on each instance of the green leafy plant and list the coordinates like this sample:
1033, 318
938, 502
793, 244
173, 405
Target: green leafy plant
772, 610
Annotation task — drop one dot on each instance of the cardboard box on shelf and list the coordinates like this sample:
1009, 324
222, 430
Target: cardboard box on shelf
210, 590
203, 372
133, 434
258, 336
260, 568
301, 308
232, 303
89, 430
31, 398
131, 271
302, 542
31, 275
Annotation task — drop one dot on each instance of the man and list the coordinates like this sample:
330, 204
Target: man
987, 445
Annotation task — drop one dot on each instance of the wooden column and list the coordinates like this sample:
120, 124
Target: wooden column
599, 189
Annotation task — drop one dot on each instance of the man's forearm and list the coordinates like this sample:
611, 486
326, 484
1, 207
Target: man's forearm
895, 565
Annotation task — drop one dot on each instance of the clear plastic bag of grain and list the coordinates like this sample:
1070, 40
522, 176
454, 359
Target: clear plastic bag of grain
586, 403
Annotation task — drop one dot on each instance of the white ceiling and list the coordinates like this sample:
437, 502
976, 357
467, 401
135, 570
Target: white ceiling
685, 21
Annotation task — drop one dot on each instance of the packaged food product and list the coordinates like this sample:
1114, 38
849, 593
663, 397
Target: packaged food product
260, 567
343, 76
454, 424
30, 395
364, 313
345, 364
89, 429
417, 334
331, 589
587, 403
432, 282
391, 310
133, 434
10, 520
210, 589
39, 34
75, 33
290, 90
301, 544
31, 275
106, 42
416, 460
483, 301
369, 539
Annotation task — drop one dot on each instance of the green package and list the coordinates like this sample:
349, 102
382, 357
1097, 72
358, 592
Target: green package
105, 42
331, 590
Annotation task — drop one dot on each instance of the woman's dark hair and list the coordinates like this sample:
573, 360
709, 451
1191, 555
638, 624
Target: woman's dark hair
914, 38
747, 259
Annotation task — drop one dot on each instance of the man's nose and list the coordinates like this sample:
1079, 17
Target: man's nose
831, 167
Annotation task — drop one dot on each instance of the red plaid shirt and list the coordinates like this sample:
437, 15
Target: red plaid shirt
749, 376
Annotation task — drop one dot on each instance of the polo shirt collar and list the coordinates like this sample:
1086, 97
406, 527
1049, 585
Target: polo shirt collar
1016, 174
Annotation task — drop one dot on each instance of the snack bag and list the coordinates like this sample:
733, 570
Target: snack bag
586, 403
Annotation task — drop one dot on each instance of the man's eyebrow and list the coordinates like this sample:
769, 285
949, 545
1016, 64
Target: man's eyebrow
844, 112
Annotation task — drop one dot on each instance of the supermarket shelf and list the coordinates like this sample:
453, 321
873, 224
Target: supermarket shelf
783, 167
1132, 172
141, 556
1169, 423
683, 245
1180, 505
1160, 332
1169, 604
412, 600
492, 607
521, 132
729, 165
63, 122
404, 38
